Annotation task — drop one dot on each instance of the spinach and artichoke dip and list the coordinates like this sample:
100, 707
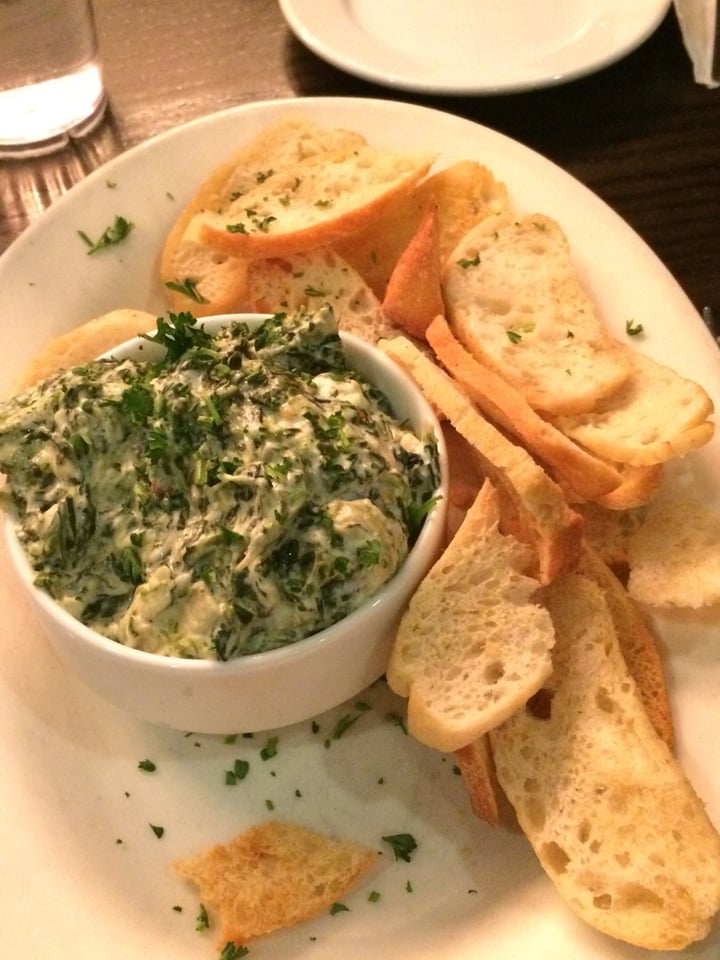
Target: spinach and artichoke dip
237, 495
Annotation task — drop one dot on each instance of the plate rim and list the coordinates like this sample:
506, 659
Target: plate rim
306, 32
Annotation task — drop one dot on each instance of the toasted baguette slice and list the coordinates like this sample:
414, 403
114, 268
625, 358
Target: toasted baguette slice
414, 296
313, 203
84, 343
514, 299
473, 645
656, 415
610, 815
220, 278
533, 506
464, 193
637, 644
674, 555
273, 875
505, 406
320, 276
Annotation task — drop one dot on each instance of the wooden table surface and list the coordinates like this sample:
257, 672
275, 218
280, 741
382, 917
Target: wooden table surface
640, 133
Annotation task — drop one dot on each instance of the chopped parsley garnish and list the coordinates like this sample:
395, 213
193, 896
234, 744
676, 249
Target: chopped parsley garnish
513, 336
158, 831
179, 334
369, 553
270, 749
398, 721
402, 844
257, 223
147, 765
240, 770
338, 908
233, 951
633, 328
466, 262
202, 921
343, 725
188, 287
114, 234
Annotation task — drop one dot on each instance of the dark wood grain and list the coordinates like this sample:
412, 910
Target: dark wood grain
641, 133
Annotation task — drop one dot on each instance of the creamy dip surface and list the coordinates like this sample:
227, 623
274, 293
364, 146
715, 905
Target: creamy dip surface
238, 495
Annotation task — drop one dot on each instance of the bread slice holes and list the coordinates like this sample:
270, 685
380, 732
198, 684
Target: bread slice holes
540, 704
535, 812
584, 831
494, 672
633, 895
555, 858
603, 901
500, 307
604, 701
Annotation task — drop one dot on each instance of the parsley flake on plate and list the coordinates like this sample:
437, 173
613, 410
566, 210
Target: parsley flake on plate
118, 231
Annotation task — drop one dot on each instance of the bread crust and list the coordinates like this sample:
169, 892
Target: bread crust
504, 405
316, 202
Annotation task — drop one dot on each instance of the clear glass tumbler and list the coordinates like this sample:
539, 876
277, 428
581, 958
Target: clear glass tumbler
51, 86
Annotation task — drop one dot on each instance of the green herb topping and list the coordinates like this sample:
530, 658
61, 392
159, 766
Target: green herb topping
403, 845
118, 231
188, 287
633, 328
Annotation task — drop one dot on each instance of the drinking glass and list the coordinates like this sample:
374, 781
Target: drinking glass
51, 86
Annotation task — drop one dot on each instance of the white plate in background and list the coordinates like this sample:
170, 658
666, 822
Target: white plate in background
82, 869
472, 47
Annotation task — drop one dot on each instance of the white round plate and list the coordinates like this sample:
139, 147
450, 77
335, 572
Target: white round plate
82, 869
472, 46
